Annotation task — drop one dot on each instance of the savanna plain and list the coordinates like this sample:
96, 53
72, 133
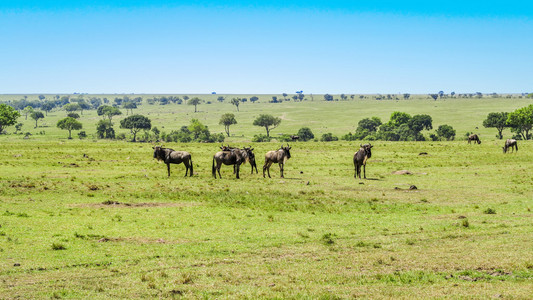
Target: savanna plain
100, 219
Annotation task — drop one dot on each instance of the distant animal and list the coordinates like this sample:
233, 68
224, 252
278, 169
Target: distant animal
359, 159
294, 138
171, 156
276, 156
474, 137
231, 156
510, 143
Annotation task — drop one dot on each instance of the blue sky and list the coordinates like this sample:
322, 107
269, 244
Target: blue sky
266, 46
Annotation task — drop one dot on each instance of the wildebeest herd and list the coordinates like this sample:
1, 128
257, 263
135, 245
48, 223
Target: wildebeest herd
236, 157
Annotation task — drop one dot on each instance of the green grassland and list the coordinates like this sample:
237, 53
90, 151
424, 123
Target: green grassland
111, 224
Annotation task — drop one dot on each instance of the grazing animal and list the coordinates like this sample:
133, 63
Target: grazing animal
510, 143
170, 156
474, 137
294, 138
249, 152
230, 156
279, 156
359, 159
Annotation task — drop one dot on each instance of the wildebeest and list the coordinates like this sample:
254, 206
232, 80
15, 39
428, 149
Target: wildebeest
232, 156
278, 156
294, 138
250, 153
359, 159
170, 156
474, 137
510, 143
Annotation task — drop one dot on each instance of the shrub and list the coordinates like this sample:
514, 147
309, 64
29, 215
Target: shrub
305, 134
328, 137
490, 211
260, 138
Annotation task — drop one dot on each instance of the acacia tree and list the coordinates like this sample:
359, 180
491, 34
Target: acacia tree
136, 123
236, 102
129, 105
36, 115
69, 124
496, 120
27, 111
521, 121
107, 111
8, 116
227, 120
194, 101
268, 121
72, 107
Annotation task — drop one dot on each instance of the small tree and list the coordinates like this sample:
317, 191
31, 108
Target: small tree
236, 102
305, 134
227, 120
27, 111
434, 96
72, 107
104, 129
8, 116
496, 120
36, 115
73, 115
446, 131
253, 99
194, 101
268, 121
107, 111
129, 106
69, 124
197, 128
136, 123
47, 106
521, 121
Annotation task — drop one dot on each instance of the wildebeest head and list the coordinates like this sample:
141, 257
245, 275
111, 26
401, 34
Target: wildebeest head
286, 150
250, 154
368, 149
158, 152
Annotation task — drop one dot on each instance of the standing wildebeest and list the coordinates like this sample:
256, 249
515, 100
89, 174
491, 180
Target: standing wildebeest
251, 156
170, 156
359, 159
510, 143
279, 156
231, 156
474, 137
294, 138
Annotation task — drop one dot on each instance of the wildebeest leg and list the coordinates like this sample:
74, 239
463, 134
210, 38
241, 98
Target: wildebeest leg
219, 165
267, 168
281, 169
168, 169
364, 170
236, 168
186, 167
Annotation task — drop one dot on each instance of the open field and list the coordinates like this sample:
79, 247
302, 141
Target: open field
322, 117
110, 224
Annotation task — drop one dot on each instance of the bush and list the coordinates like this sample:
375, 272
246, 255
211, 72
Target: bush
260, 138
446, 132
284, 138
305, 134
328, 137
82, 134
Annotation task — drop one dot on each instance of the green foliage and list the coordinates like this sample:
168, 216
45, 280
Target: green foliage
496, 120
328, 137
107, 111
269, 122
72, 107
82, 134
489, 211
194, 101
135, 123
73, 115
36, 115
261, 138
69, 124
521, 121
305, 134
104, 130
8, 116
236, 102
227, 120
446, 132
284, 138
